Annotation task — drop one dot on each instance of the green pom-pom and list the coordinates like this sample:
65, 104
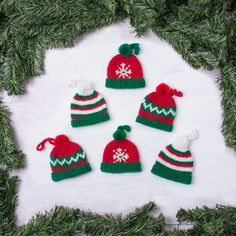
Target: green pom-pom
125, 50
136, 48
120, 133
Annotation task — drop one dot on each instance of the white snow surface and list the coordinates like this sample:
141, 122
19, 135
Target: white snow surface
44, 111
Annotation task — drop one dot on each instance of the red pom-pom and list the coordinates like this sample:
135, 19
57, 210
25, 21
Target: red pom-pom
61, 140
163, 89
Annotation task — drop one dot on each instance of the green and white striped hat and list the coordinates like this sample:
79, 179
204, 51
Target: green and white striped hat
88, 107
175, 162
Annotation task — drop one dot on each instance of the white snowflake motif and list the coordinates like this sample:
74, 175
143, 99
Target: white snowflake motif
120, 155
123, 71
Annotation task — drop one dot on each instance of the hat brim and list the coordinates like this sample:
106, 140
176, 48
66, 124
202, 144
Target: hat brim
76, 171
154, 123
116, 168
183, 177
90, 119
118, 83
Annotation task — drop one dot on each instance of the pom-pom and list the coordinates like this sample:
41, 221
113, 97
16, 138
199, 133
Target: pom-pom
61, 140
163, 89
120, 133
193, 135
84, 88
125, 50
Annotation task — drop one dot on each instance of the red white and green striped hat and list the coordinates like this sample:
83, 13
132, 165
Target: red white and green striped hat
67, 158
158, 108
120, 155
88, 107
175, 161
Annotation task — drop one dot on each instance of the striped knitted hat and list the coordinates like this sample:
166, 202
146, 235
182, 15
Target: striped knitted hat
124, 70
120, 155
175, 161
87, 108
158, 108
67, 158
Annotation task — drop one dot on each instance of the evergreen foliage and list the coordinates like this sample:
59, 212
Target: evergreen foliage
203, 32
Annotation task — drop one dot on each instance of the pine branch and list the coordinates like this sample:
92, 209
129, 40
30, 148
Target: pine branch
10, 155
8, 187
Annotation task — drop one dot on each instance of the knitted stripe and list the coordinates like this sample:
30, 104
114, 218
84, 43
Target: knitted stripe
118, 83
83, 120
88, 107
66, 167
90, 111
79, 170
177, 158
174, 175
85, 104
152, 116
121, 167
153, 108
174, 167
79, 97
166, 158
68, 160
172, 150
154, 124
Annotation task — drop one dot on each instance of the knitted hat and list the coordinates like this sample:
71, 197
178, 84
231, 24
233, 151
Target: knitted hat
175, 161
124, 70
67, 158
158, 108
121, 155
88, 107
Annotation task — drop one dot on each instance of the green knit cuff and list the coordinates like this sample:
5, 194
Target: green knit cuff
154, 123
65, 174
117, 83
116, 168
90, 119
183, 177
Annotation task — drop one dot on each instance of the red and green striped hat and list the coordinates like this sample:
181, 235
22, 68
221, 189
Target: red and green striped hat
120, 155
88, 108
175, 161
158, 108
67, 158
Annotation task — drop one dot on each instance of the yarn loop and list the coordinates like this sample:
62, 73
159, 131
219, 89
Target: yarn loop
120, 133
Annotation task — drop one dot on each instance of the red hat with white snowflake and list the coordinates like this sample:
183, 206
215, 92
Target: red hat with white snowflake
124, 70
158, 108
121, 155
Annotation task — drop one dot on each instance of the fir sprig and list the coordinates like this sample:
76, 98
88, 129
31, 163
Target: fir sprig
203, 32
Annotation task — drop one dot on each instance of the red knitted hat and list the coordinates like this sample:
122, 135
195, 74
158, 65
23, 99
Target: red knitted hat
67, 158
124, 70
121, 155
158, 108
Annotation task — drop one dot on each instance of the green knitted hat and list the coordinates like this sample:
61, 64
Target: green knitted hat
175, 161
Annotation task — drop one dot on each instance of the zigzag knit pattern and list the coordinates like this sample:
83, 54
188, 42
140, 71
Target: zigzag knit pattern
68, 160
149, 106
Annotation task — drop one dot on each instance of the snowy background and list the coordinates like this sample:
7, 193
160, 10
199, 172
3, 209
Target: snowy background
44, 112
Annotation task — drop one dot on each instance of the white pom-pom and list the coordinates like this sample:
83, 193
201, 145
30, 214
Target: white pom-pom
182, 142
85, 88
193, 135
